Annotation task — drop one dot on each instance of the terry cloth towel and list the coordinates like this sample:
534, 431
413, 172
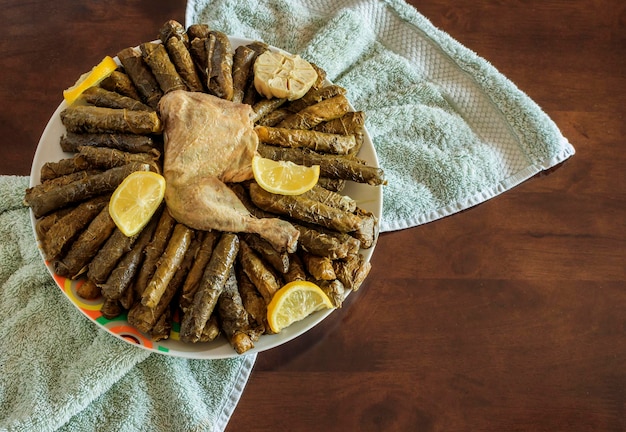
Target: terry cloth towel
449, 129
60, 372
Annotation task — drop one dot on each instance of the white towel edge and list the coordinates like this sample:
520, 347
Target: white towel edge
484, 195
232, 400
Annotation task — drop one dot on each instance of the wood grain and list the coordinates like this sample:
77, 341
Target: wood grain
506, 317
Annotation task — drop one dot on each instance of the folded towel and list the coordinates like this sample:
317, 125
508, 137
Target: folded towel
450, 130
60, 372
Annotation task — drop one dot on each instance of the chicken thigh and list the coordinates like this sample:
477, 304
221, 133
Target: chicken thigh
210, 142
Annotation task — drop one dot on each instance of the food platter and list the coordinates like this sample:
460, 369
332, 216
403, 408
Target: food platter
367, 197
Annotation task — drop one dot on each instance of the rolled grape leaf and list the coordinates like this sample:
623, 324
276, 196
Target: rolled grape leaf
92, 119
105, 98
142, 77
80, 190
212, 285
156, 57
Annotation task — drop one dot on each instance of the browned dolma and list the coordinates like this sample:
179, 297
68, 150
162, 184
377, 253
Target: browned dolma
318, 141
259, 273
352, 123
198, 31
243, 60
221, 73
321, 77
274, 117
313, 96
127, 300
319, 267
304, 209
332, 166
211, 329
265, 106
212, 285
43, 225
111, 308
331, 198
107, 158
156, 57
311, 116
334, 289
70, 142
258, 47
172, 29
327, 244
121, 83
233, 316
181, 57
169, 262
80, 190
146, 318
108, 256
85, 247
67, 228
332, 184
250, 94
119, 283
352, 270
348, 124
88, 290
368, 229
208, 239
142, 77
296, 271
92, 119
278, 260
154, 249
201, 50
163, 327
105, 98
252, 301
51, 170
65, 179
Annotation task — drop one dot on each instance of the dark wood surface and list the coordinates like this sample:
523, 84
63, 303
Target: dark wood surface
510, 316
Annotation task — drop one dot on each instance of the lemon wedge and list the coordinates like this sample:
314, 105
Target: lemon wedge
294, 302
284, 177
90, 79
135, 200
283, 76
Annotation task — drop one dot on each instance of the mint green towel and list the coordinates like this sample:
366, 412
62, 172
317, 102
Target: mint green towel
60, 372
450, 130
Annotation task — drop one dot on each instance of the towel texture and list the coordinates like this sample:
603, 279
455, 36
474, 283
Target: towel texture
60, 372
449, 129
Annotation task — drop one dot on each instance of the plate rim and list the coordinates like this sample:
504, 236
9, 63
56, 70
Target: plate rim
166, 347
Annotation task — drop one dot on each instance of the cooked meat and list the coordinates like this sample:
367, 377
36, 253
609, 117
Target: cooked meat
210, 142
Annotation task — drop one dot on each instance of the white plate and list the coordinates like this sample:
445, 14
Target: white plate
49, 150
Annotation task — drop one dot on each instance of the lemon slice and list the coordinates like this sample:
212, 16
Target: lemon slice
135, 200
284, 177
283, 76
89, 79
294, 302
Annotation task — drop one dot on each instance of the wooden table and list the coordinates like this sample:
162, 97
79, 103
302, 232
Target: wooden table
509, 316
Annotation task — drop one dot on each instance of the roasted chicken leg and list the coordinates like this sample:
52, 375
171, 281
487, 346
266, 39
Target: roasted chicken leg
210, 142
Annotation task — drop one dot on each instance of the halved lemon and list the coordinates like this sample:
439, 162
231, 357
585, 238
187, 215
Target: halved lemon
284, 177
294, 302
90, 79
135, 200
